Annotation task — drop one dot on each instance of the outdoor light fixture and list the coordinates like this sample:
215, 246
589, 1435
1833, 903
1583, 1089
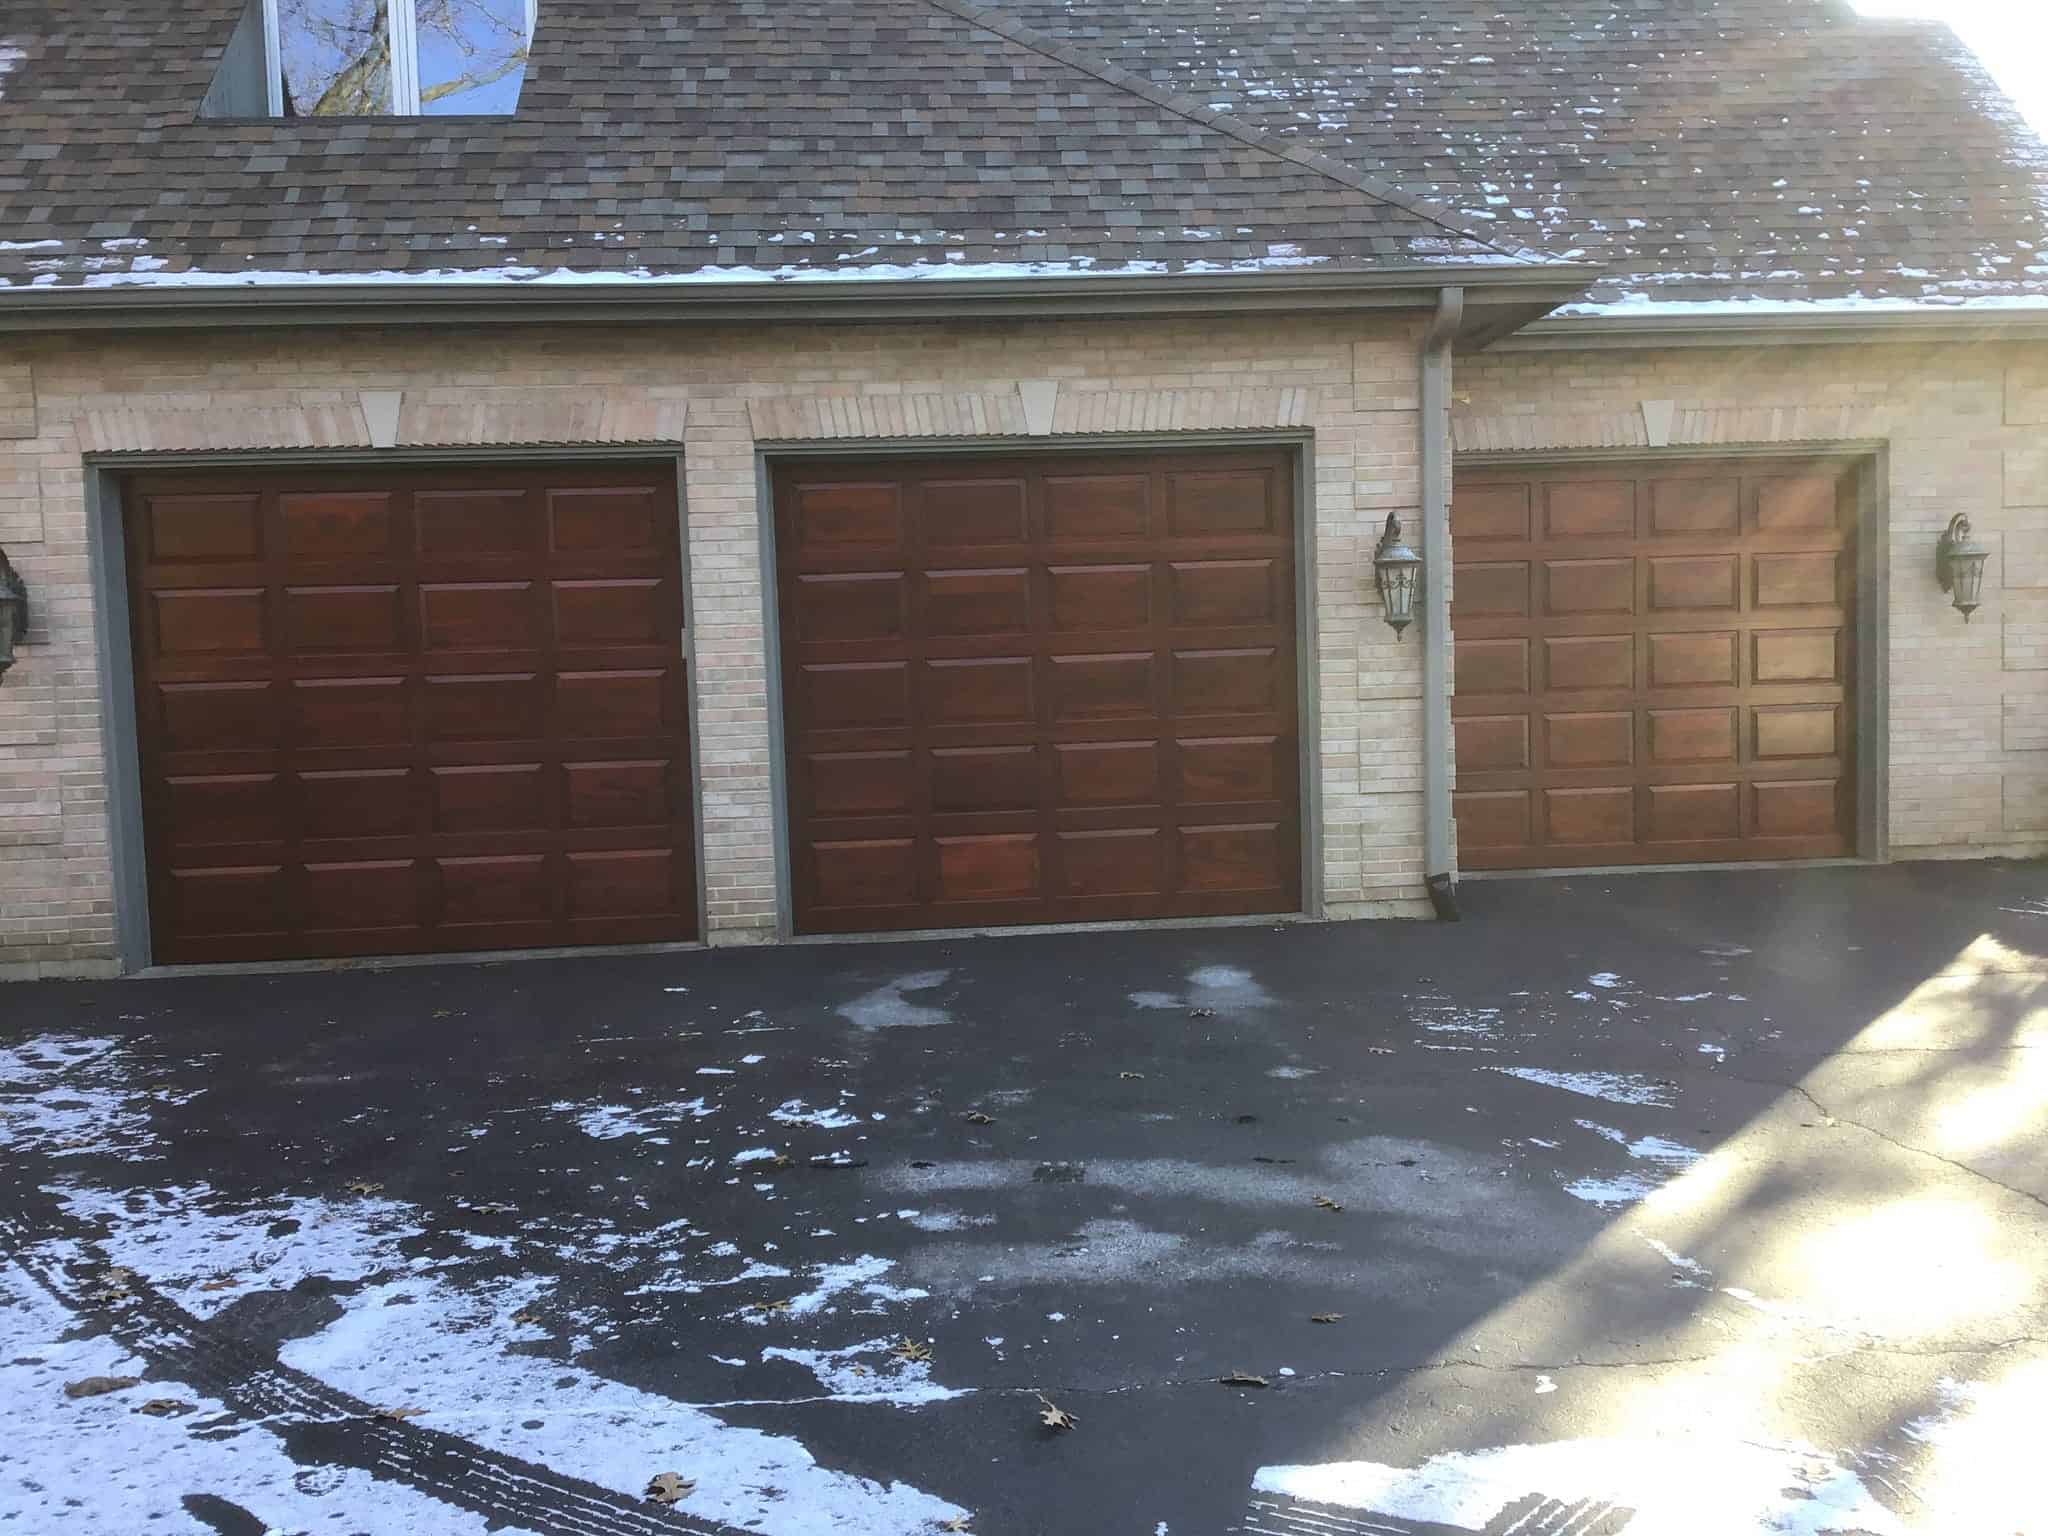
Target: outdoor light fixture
13, 612
1959, 565
1398, 570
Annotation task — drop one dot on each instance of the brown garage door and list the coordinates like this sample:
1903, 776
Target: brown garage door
1035, 690
1654, 662
387, 712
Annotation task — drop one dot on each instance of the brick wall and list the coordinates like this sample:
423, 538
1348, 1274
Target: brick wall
1352, 384
1967, 428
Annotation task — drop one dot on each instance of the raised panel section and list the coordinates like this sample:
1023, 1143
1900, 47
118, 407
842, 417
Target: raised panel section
867, 516
1108, 773
1218, 770
1492, 819
960, 603
333, 712
212, 621
1589, 817
1086, 597
1205, 505
1482, 514
489, 707
1246, 856
1796, 581
866, 606
1226, 682
1699, 660
489, 797
631, 793
1798, 656
1694, 582
1119, 862
984, 779
218, 717
1679, 508
1797, 730
879, 872
1002, 867
1692, 735
1695, 813
1492, 666
1573, 587
355, 802
1487, 743
622, 882
368, 893
624, 611
860, 783
1590, 509
1488, 589
1798, 504
968, 512
245, 899
340, 620
478, 616
212, 809
862, 694
1796, 807
1223, 592
1106, 687
468, 524
188, 529
979, 692
1579, 663
338, 525
609, 706
495, 889
1594, 740
1081, 508
608, 520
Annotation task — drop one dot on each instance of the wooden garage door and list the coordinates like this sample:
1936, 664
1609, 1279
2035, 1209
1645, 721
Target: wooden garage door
1654, 662
388, 712
1035, 690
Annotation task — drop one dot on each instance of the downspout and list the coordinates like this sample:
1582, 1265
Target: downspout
1436, 614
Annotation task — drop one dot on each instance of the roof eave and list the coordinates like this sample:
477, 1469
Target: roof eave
1779, 328
1529, 290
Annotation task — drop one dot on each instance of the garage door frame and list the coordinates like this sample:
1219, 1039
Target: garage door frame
1301, 447
119, 728
1871, 463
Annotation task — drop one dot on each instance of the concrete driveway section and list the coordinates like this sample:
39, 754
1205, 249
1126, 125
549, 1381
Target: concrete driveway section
1673, 1205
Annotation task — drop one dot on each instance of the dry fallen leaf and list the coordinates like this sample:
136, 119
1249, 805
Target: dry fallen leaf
220, 1283
781, 1160
668, 1487
116, 1284
164, 1407
1243, 1379
99, 1386
396, 1415
911, 1351
1325, 1203
976, 1117
1052, 1415
493, 1208
1326, 1317
957, 1523
526, 1315
362, 1187
767, 1306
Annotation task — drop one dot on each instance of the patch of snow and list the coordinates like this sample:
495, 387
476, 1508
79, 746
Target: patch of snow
609, 1122
862, 1277
887, 1008
1615, 1087
794, 1112
65, 1096
845, 1374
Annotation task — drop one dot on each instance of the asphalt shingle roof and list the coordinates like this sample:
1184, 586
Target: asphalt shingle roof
1699, 149
662, 137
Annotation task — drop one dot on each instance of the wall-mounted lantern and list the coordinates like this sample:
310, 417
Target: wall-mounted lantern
1959, 565
1398, 571
13, 612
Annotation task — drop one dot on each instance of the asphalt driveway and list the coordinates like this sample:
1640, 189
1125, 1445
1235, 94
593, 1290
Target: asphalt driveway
1684, 1204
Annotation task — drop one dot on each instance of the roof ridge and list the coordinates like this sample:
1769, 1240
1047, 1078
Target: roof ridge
1030, 37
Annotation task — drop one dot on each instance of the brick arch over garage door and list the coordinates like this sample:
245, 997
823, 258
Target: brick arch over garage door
1039, 689
1655, 662
398, 711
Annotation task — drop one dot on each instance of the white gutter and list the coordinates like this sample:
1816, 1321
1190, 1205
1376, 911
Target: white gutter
1436, 614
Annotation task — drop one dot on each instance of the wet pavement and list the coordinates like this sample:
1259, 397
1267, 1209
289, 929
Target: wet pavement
1684, 1204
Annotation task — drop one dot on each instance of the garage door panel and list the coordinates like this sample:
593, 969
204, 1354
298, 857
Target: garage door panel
210, 621
1488, 589
1691, 670
401, 742
1059, 744
622, 882
1492, 514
